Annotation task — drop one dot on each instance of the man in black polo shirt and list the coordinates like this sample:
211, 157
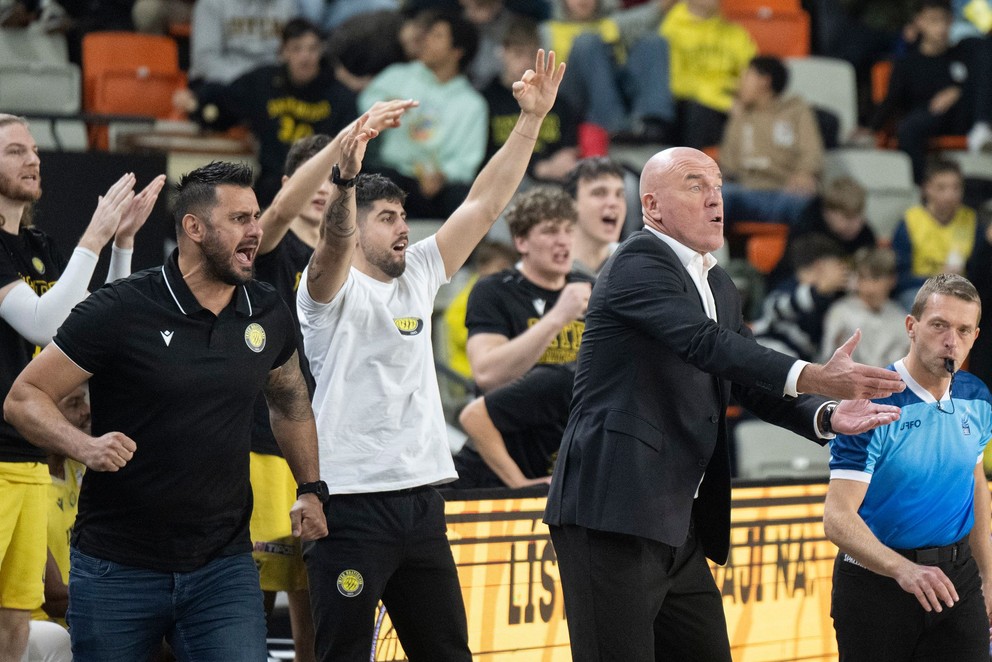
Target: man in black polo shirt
175, 357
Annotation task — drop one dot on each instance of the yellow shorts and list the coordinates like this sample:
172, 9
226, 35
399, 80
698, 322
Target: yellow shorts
276, 552
23, 533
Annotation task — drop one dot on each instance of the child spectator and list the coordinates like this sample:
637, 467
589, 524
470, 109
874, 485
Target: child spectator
839, 213
556, 150
280, 103
937, 88
792, 316
438, 150
937, 236
772, 154
869, 308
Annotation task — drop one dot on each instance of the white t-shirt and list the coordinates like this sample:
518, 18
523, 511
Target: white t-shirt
380, 426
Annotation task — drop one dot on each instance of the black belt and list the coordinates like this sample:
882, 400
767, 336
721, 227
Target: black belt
935, 555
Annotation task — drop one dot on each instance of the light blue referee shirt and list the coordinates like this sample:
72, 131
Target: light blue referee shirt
920, 469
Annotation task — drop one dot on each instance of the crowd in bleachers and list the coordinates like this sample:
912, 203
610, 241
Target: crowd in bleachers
854, 138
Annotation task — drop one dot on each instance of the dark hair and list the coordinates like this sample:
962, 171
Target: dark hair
539, 204
589, 169
521, 31
766, 65
939, 166
370, 187
347, 45
196, 192
298, 27
464, 35
303, 150
946, 284
875, 261
943, 5
809, 248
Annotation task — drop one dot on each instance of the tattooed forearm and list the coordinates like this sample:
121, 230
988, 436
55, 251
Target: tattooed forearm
315, 272
338, 220
286, 393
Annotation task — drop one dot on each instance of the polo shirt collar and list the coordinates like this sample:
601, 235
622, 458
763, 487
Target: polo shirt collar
183, 297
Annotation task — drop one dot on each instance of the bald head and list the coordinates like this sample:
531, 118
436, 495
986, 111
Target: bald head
680, 197
666, 161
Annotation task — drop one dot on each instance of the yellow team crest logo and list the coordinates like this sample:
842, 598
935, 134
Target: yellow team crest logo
38, 265
409, 326
255, 337
350, 583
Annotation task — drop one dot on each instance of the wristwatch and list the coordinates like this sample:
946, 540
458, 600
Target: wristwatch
317, 487
336, 178
828, 412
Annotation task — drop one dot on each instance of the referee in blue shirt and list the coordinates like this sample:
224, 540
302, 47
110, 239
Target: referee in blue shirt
908, 503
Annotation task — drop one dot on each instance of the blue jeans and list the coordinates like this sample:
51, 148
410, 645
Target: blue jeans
212, 614
744, 204
606, 90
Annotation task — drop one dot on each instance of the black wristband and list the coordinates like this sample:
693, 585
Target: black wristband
318, 487
828, 412
336, 178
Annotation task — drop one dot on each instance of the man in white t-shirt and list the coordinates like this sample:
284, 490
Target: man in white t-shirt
365, 316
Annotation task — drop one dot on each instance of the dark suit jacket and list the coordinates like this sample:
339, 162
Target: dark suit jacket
654, 378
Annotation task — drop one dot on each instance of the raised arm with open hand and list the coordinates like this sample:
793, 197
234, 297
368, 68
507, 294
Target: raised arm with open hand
499, 178
328, 268
107, 217
538, 87
384, 115
137, 212
353, 146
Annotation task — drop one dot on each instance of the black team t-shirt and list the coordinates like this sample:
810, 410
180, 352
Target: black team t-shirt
30, 256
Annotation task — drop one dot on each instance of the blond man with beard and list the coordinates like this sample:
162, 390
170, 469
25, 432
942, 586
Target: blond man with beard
38, 288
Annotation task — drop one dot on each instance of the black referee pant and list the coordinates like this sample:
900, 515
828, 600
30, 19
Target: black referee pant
877, 621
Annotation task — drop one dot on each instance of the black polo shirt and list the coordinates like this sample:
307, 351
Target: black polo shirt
181, 383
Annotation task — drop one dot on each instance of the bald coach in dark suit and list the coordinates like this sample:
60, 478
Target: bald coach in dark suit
641, 489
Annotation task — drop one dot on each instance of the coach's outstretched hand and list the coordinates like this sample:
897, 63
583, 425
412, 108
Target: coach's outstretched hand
857, 416
843, 379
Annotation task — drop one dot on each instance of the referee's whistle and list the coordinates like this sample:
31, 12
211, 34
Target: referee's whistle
949, 365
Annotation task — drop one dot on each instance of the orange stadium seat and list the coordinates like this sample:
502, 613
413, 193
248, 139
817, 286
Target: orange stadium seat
763, 243
783, 34
130, 74
765, 251
137, 93
761, 6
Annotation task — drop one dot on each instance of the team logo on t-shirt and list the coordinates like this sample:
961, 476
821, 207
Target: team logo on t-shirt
409, 326
255, 337
38, 265
350, 583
